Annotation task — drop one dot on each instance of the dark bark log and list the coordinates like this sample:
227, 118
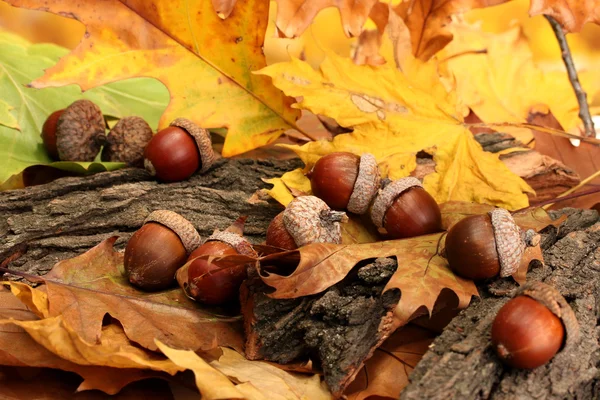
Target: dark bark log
461, 363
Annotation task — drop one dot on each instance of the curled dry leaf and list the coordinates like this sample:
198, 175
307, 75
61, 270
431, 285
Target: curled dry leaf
83, 289
572, 14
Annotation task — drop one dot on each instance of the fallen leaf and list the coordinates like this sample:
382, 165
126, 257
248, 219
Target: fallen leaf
83, 289
572, 14
504, 84
204, 61
407, 113
386, 373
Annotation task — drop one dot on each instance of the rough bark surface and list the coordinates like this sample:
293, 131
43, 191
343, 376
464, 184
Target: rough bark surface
42, 225
461, 364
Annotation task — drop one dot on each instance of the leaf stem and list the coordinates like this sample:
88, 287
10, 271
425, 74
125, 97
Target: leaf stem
584, 110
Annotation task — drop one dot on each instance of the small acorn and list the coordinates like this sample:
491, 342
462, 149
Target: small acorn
176, 152
307, 219
215, 282
483, 246
346, 181
404, 209
158, 249
531, 328
80, 130
49, 134
127, 140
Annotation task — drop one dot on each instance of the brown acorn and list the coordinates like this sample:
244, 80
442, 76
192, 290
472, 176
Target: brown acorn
405, 209
307, 219
346, 181
483, 246
127, 140
49, 134
176, 152
158, 249
80, 132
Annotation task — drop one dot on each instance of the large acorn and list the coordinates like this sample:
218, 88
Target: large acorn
80, 131
483, 246
307, 219
158, 249
405, 209
176, 152
346, 181
127, 140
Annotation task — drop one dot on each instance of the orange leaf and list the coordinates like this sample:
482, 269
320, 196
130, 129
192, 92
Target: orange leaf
572, 14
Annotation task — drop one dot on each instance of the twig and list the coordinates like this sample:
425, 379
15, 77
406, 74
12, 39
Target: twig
584, 110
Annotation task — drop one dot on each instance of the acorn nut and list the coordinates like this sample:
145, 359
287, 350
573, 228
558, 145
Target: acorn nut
80, 132
49, 134
176, 152
307, 219
212, 281
127, 140
346, 181
158, 249
483, 246
404, 209
530, 328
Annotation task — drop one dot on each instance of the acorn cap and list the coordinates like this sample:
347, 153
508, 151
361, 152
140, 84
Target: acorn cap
366, 185
310, 220
178, 224
386, 196
126, 141
202, 138
80, 132
509, 245
239, 243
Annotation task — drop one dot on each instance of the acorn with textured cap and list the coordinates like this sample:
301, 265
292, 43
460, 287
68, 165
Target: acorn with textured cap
307, 219
176, 152
346, 181
158, 249
76, 133
127, 140
403, 208
483, 246
216, 282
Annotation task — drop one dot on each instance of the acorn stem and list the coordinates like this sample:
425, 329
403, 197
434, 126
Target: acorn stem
333, 216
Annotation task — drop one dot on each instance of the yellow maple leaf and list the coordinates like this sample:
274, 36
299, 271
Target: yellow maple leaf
505, 84
205, 61
394, 116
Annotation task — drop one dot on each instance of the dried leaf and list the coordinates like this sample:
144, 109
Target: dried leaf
204, 61
572, 14
83, 289
407, 113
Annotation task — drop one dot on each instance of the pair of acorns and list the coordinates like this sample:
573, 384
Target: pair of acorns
167, 241
77, 133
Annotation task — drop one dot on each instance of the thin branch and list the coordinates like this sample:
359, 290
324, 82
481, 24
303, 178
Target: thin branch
584, 110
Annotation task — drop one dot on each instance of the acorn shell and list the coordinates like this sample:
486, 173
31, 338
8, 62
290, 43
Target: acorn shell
182, 227
126, 141
366, 185
203, 141
239, 243
509, 244
80, 132
387, 195
310, 220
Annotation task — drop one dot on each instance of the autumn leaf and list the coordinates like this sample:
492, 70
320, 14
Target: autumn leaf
504, 84
386, 373
572, 14
394, 116
83, 289
204, 61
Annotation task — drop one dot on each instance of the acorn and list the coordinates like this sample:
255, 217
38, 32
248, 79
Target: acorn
530, 328
176, 152
346, 181
404, 209
127, 140
216, 282
80, 130
306, 219
158, 249
483, 246
49, 134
